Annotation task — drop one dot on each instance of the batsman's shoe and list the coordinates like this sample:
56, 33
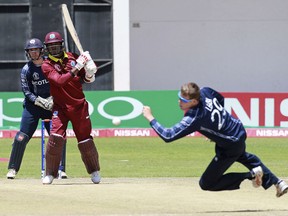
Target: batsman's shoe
48, 179
281, 188
95, 177
257, 172
11, 174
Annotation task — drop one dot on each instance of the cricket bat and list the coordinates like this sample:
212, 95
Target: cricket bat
70, 27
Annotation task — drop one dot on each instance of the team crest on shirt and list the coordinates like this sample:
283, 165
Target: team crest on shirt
35, 76
57, 67
73, 63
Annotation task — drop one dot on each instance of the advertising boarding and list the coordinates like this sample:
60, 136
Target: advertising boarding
263, 114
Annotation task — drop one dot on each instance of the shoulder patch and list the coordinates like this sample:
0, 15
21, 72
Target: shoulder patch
57, 67
73, 63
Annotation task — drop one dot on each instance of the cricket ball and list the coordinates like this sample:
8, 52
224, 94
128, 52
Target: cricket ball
116, 121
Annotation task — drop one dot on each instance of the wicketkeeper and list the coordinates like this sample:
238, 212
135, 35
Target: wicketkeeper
37, 105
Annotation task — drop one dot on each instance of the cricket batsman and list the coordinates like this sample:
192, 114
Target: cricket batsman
66, 72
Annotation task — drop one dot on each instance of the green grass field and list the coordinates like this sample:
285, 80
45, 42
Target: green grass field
148, 157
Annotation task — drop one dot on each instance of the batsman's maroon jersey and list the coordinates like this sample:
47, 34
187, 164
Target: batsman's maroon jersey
66, 90
68, 96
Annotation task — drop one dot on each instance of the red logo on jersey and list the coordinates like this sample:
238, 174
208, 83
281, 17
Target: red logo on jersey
57, 67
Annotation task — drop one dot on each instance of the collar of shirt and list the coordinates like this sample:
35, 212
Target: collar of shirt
58, 59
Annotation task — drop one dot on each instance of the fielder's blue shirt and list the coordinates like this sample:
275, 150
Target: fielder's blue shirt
209, 118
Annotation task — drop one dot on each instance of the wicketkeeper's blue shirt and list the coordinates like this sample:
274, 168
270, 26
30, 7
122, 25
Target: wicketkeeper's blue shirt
34, 83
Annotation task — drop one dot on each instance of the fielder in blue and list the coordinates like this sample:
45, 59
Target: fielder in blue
37, 105
205, 113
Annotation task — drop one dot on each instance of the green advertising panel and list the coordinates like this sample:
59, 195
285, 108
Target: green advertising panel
104, 106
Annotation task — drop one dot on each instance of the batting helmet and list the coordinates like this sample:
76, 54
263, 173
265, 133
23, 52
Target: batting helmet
53, 37
33, 43
55, 50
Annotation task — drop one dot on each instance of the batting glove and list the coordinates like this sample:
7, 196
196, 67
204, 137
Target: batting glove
87, 55
82, 60
90, 68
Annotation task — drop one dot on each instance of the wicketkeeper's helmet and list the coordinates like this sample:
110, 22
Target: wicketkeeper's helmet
33, 43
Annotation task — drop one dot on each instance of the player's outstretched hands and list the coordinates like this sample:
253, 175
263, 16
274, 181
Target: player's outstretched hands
82, 60
147, 113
